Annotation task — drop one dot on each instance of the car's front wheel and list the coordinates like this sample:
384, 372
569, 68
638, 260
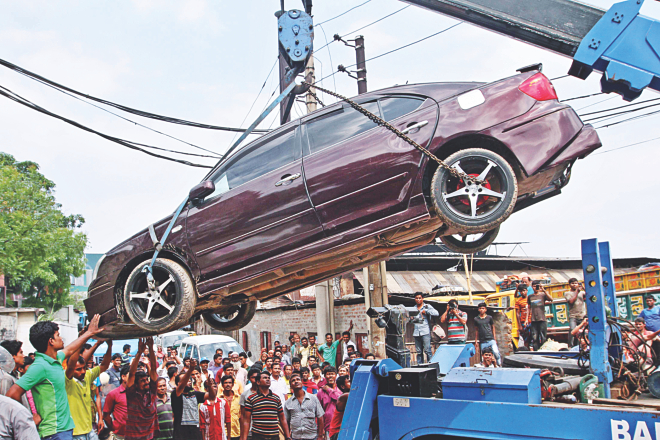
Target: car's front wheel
470, 243
480, 202
233, 318
167, 306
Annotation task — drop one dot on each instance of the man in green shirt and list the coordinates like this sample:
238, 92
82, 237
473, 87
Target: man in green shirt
46, 378
329, 349
78, 384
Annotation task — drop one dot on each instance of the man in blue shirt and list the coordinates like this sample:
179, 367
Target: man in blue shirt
651, 314
422, 333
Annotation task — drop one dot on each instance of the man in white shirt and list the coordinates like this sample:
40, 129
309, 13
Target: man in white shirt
278, 384
346, 341
487, 359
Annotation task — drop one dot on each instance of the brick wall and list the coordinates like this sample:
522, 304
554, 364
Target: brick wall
280, 323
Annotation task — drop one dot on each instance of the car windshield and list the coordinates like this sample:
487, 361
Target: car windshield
208, 350
168, 341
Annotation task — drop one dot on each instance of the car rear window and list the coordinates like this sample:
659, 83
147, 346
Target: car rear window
338, 126
399, 106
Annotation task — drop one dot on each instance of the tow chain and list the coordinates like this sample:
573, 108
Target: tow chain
467, 178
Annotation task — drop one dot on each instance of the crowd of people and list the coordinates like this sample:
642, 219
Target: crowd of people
296, 391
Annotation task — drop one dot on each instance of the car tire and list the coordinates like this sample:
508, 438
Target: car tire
234, 318
461, 204
178, 293
461, 246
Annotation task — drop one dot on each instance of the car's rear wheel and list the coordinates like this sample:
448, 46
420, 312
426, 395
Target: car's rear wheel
470, 243
233, 318
169, 306
469, 206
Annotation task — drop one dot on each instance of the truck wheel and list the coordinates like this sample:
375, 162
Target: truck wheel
170, 306
470, 207
470, 243
233, 318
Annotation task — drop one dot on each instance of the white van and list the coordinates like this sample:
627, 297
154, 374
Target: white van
170, 339
204, 347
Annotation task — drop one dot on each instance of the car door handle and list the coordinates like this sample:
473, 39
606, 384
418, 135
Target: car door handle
287, 179
415, 126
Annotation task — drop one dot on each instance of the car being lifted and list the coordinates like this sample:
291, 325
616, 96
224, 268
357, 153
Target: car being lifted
333, 192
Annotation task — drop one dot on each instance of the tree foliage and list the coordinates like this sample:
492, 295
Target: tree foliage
40, 246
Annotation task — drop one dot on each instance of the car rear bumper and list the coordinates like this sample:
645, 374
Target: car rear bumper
583, 145
548, 135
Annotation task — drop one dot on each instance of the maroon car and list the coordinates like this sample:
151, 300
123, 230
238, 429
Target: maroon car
333, 192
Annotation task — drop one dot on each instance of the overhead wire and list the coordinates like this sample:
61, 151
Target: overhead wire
330, 55
364, 27
626, 146
397, 49
134, 111
620, 107
580, 97
343, 13
129, 144
629, 119
216, 155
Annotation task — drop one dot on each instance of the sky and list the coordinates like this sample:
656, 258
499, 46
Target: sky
208, 61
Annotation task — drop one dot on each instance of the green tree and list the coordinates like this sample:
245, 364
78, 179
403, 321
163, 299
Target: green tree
40, 247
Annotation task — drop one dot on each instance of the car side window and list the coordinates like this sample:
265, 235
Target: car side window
337, 126
194, 354
188, 350
262, 158
398, 106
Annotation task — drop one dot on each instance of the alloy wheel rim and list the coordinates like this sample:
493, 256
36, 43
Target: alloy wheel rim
472, 200
157, 305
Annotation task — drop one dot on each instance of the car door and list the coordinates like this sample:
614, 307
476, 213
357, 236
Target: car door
259, 210
357, 172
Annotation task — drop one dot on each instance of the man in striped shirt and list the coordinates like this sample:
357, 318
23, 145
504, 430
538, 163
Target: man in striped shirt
264, 410
164, 410
456, 325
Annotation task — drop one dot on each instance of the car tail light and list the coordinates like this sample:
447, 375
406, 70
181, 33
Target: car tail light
538, 87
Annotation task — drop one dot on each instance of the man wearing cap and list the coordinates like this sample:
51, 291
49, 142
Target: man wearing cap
204, 364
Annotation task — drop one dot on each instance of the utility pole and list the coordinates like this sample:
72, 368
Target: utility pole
361, 65
310, 100
360, 62
375, 275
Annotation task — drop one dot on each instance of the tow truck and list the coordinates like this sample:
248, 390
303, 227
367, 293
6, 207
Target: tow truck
448, 399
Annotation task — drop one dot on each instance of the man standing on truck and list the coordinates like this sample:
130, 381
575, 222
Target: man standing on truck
486, 333
576, 307
422, 333
537, 303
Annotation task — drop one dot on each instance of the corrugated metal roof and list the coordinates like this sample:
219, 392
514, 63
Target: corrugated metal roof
482, 281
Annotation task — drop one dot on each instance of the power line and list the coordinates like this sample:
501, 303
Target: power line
129, 144
343, 13
621, 106
137, 112
394, 50
625, 146
579, 97
625, 112
334, 81
629, 119
596, 103
364, 27
216, 155
258, 95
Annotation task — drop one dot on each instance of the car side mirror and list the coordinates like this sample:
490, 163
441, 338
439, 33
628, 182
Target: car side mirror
201, 190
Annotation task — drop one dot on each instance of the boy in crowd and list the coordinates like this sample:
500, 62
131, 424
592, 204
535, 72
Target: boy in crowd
486, 332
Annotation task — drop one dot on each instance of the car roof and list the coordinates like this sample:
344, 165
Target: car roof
206, 339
